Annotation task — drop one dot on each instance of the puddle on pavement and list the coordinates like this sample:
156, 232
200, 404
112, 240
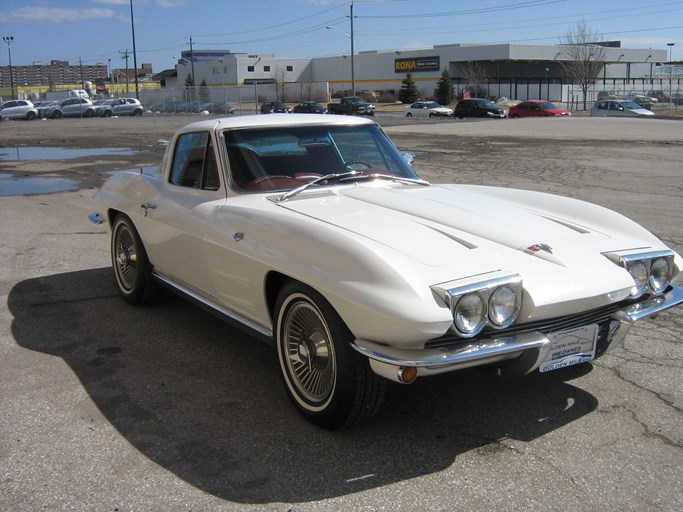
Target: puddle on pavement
21, 153
17, 185
13, 185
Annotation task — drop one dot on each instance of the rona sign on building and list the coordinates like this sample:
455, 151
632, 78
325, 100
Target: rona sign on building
417, 64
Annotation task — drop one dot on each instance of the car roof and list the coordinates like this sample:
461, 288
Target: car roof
276, 120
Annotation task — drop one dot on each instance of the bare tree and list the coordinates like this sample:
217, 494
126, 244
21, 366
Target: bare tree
475, 77
584, 57
279, 76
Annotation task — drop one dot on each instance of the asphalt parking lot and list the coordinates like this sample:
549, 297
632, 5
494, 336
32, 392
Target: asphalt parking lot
106, 407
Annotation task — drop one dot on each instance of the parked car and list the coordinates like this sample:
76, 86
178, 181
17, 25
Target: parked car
46, 108
18, 109
274, 107
619, 108
537, 108
351, 105
309, 107
221, 108
478, 107
314, 232
641, 99
427, 109
119, 107
72, 107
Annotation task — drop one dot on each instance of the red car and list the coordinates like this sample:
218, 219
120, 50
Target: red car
537, 108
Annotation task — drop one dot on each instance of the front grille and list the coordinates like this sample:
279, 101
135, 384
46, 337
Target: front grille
601, 316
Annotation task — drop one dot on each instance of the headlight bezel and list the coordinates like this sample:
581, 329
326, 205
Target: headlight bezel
487, 288
635, 262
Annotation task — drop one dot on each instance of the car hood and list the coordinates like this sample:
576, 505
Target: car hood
438, 223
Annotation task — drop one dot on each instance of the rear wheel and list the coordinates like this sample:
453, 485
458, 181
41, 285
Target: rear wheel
329, 383
132, 268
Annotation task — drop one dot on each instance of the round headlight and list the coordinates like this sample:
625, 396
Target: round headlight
503, 306
659, 275
638, 271
469, 315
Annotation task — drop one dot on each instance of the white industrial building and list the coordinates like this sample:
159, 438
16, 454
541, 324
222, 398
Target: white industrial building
512, 70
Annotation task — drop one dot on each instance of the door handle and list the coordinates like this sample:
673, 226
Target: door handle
148, 206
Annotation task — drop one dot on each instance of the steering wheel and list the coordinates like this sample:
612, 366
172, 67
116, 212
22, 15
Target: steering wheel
357, 162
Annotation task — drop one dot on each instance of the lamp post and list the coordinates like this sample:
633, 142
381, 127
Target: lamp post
8, 40
135, 57
671, 68
350, 36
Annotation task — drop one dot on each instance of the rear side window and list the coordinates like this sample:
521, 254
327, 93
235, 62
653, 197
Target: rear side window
194, 162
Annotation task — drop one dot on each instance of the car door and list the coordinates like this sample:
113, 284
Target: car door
9, 109
118, 107
175, 220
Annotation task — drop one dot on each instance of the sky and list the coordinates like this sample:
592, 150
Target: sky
100, 31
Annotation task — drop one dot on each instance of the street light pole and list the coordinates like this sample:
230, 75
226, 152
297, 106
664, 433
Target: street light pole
671, 66
353, 75
8, 40
135, 57
350, 36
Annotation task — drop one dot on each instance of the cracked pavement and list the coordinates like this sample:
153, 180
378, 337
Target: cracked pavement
108, 407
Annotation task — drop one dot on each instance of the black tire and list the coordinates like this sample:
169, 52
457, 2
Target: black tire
138, 112
30, 116
89, 113
132, 268
329, 383
409, 114
107, 113
57, 114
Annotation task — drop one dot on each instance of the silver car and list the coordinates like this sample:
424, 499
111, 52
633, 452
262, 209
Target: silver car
120, 107
619, 108
18, 109
72, 107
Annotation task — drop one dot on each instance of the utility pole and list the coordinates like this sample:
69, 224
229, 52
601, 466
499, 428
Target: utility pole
8, 40
353, 75
124, 54
194, 79
80, 67
135, 57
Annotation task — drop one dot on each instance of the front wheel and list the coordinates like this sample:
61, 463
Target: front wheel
329, 383
132, 268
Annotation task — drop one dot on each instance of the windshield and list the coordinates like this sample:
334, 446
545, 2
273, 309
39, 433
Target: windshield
284, 158
432, 104
548, 105
630, 105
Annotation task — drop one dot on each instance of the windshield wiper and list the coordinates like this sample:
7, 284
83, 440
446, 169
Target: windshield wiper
349, 176
389, 177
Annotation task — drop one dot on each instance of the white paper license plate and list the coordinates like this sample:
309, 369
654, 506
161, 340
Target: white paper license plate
570, 347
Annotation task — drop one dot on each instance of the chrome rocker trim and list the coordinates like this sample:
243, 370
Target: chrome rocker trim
534, 345
213, 306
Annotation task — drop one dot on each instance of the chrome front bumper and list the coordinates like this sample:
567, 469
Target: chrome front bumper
528, 348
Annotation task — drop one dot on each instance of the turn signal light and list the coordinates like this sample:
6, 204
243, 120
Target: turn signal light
407, 374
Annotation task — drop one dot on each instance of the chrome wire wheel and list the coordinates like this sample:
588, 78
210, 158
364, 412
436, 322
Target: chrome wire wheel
125, 258
329, 383
308, 353
132, 268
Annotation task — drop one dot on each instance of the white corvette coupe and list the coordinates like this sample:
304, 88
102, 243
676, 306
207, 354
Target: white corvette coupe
314, 232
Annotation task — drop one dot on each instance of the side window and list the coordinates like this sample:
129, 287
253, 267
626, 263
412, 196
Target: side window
194, 162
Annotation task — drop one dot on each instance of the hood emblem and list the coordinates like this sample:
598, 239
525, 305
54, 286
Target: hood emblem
539, 247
